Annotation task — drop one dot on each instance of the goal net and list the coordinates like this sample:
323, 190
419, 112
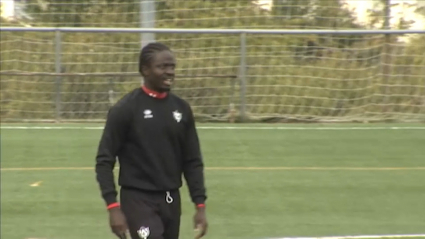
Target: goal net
324, 77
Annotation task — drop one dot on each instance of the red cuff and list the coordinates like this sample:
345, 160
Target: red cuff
200, 205
113, 205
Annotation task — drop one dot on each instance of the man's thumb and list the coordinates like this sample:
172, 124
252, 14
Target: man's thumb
197, 231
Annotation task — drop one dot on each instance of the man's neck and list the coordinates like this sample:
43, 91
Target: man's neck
153, 93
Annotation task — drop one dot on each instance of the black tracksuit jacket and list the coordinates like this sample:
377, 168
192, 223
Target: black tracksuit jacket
156, 143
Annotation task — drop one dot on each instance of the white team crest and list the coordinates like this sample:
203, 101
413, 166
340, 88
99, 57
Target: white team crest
177, 115
143, 232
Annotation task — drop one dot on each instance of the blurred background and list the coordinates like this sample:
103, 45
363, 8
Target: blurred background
74, 76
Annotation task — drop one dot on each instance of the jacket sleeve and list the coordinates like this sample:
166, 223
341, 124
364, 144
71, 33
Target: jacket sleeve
193, 167
114, 134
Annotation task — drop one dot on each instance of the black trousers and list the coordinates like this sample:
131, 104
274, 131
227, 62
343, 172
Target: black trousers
151, 215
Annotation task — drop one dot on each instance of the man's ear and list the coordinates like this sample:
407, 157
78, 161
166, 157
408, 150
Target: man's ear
145, 71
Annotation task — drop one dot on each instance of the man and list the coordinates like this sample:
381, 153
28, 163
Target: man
152, 133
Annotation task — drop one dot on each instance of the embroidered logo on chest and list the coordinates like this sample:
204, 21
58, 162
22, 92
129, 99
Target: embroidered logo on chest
143, 232
177, 115
148, 114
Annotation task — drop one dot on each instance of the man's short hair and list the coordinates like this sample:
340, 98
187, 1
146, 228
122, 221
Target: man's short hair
148, 52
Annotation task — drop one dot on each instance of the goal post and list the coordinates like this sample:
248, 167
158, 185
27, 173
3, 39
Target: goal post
75, 74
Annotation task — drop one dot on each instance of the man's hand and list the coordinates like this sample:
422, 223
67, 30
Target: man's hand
118, 222
200, 221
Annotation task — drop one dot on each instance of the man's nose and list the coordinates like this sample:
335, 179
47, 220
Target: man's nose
169, 71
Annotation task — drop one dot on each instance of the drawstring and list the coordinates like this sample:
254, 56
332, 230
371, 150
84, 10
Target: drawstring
168, 198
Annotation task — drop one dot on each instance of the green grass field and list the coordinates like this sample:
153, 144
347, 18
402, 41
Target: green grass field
261, 183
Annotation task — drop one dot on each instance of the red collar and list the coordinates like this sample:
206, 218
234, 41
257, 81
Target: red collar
154, 94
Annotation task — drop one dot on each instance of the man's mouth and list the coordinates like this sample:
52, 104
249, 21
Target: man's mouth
168, 82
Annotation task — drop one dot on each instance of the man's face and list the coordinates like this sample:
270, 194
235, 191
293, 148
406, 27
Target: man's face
159, 76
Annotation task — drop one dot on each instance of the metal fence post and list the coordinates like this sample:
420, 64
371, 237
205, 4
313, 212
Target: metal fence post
386, 62
58, 60
147, 20
242, 76
422, 104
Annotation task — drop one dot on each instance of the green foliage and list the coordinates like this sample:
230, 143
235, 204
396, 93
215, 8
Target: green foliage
295, 76
292, 8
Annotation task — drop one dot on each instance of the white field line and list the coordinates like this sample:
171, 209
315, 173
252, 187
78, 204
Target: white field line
235, 127
358, 237
239, 168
